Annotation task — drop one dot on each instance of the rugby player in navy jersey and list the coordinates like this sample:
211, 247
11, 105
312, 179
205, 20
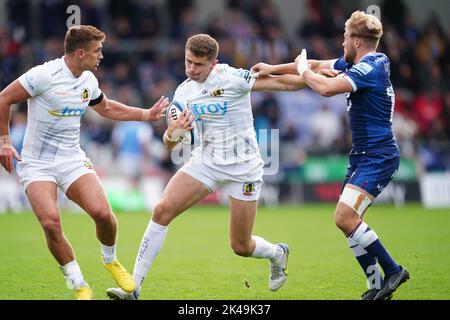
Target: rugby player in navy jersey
363, 74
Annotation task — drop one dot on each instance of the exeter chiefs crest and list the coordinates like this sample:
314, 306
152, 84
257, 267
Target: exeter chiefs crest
248, 188
85, 95
88, 164
217, 92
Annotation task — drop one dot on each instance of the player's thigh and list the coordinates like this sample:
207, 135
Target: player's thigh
356, 198
242, 219
370, 174
43, 200
87, 191
373, 173
353, 204
182, 192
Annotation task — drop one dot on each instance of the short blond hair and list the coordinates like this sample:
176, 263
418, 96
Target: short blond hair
203, 45
363, 25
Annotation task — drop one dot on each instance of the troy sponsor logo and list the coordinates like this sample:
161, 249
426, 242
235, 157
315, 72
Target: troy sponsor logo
67, 112
202, 109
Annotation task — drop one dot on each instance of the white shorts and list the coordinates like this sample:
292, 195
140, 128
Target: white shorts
63, 172
241, 181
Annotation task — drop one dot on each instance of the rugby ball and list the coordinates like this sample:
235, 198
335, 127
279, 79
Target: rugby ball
173, 111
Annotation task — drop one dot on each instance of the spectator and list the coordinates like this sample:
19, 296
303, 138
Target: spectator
131, 141
427, 108
143, 58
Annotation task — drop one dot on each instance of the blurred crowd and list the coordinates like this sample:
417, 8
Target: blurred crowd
144, 59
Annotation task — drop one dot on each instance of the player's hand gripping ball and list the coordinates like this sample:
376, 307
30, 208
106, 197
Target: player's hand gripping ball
184, 136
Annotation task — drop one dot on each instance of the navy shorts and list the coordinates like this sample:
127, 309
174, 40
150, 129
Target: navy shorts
371, 172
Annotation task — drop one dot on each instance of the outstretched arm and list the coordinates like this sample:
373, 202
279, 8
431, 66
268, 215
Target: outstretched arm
264, 69
14, 93
317, 65
286, 82
324, 86
115, 110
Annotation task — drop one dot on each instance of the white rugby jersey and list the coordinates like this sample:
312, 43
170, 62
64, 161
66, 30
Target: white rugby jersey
223, 115
58, 100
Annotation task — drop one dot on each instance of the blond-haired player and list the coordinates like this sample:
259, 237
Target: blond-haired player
363, 75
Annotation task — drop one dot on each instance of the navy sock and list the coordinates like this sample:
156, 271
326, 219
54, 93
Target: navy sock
368, 264
386, 262
368, 239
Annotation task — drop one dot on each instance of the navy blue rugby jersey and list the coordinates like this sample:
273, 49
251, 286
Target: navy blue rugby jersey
371, 104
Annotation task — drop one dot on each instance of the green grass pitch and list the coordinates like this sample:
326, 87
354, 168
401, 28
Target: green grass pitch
196, 261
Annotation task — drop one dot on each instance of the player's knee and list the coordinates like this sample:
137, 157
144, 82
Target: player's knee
106, 218
52, 228
339, 220
345, 222
241, 248
163, 213
101, 214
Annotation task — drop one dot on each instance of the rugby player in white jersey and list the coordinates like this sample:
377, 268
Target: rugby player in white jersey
58, 93
218, 97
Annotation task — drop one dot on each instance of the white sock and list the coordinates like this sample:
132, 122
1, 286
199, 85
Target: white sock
151, 243
265, 249
73, 275
108, 253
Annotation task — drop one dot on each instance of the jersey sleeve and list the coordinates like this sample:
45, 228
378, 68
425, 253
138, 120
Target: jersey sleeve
97, 95
241, 78
340, 64
361, 76
96, 92
36, 80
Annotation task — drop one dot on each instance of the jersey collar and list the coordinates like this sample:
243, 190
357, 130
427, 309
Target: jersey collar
368, 55
209, 77
66, 68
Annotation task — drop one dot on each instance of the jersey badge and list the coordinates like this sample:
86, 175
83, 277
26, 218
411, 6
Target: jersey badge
85, 95
217, 92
